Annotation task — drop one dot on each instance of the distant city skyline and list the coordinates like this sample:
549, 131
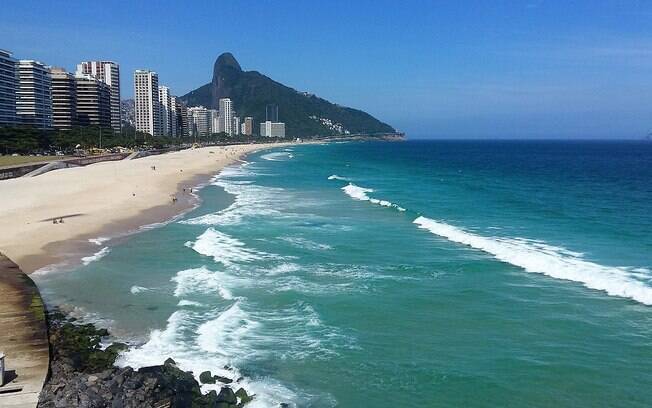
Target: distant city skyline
519, 69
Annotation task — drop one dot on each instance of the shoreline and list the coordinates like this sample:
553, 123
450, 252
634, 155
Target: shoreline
44, 251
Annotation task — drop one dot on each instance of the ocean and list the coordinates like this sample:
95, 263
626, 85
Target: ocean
421, 274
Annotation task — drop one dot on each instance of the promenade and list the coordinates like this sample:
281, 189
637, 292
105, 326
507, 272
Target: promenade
23, 337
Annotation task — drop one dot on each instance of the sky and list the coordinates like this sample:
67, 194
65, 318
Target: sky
432, 69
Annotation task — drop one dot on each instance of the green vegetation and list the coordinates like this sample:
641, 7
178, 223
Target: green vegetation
81, 344
252, 91
29, 140
16, 160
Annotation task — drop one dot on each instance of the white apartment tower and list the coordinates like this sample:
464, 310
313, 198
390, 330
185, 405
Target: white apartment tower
109, 73
215, 121
226, 116
173, 117
34, 94
146, 104
164, 116
8, 88
235, 127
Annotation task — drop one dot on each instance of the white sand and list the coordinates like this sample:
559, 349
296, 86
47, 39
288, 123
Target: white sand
98, 198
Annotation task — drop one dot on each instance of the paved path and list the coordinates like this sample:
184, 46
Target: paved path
23, 337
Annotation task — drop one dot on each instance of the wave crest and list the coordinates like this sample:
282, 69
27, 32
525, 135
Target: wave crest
558, 263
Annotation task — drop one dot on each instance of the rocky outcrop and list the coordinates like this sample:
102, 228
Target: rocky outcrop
83, 375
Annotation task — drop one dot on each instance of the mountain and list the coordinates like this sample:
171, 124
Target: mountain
304, 114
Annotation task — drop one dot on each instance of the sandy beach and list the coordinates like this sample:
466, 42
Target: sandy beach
102, 199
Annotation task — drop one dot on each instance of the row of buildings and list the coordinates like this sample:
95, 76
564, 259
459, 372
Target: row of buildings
45, 97
159, 113
34, 94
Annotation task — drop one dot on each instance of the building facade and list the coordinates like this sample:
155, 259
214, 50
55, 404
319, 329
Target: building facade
226, 116
214, 120
235, 126
173, 116
8, 88
182, 119
165, 111
109, 73
93, 102
34, 97
146, 104
272, 129
64, 99
200, 121
248, 126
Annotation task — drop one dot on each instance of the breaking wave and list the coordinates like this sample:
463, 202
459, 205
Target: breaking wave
360, 193
277, 156
137, 289
224, 248
556, 262
96, 256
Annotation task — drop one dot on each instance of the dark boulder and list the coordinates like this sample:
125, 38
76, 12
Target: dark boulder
227, 395
206, 378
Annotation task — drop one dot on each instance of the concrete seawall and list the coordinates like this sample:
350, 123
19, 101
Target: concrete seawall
23, 337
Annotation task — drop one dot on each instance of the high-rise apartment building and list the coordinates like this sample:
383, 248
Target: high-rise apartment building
8, 88
109, 73
214, 120
165, 111
33, 97
64, 99
248, 126
146, 105
200, 121
235, 126
173, 116
93, 102
226, 116
182, 119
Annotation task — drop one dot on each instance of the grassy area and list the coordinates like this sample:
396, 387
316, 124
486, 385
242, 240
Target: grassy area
15, 160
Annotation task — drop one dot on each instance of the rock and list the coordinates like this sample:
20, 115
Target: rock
243, 396
206, 378
227, 395
170, 361
224, 380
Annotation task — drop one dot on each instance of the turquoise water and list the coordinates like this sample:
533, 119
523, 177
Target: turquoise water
429, 274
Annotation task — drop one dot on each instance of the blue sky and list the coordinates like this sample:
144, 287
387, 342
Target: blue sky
531, 69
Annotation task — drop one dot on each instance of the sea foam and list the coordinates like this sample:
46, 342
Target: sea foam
277, 156
539, 257
202, 280
224, 248
96, 256
360, 193
137, 289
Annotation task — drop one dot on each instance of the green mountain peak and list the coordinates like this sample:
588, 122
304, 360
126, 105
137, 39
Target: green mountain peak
304, 114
